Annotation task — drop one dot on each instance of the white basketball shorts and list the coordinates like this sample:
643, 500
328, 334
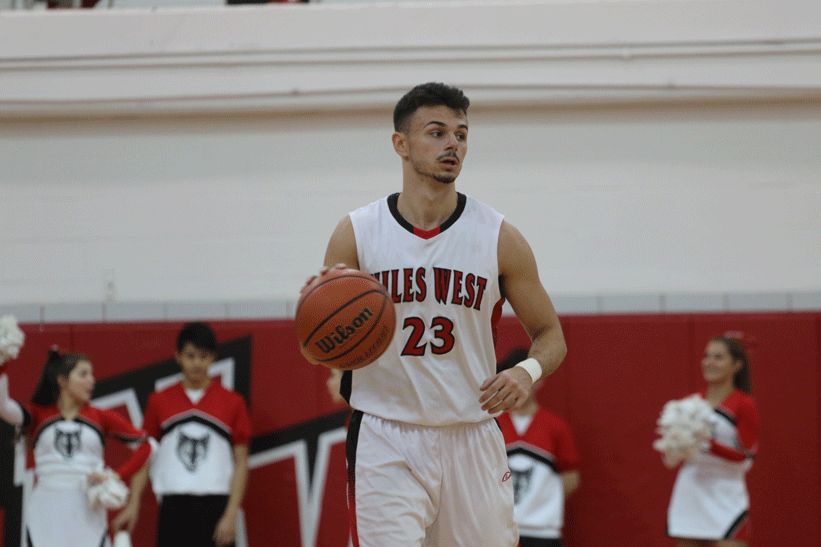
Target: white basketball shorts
438, 486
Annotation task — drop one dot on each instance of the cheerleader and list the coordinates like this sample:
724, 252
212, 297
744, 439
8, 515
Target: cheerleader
709, 505
72, 488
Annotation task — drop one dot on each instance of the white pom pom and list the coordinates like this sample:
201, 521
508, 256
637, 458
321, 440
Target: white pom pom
684, 429
11, 338
112, 493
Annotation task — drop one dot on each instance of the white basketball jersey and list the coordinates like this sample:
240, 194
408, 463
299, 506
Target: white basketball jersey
445, 285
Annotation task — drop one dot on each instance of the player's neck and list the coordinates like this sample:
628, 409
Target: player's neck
68, 406
203, 384
718, 392
427, 206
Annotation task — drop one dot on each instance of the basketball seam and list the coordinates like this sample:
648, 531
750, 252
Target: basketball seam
362, 339
368, 278
334, 312
375, 324
377, 287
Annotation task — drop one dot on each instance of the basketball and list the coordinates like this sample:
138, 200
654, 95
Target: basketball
345, 319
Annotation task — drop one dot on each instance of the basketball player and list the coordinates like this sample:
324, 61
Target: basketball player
544, 462
710, 501
201, 469
67, 436
426, 460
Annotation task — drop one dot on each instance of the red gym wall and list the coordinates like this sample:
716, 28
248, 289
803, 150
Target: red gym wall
619, 372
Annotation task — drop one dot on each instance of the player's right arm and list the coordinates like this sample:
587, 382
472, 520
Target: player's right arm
127, 518
342, 246
521, 286
570, 482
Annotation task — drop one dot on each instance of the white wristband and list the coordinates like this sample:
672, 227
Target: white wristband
532, 367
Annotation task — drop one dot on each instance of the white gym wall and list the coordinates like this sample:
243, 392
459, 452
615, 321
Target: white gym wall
659, 156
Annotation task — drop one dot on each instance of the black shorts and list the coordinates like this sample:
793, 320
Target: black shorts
189, 520
539, 542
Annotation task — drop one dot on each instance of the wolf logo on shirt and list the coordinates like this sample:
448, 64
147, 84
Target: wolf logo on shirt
67, 443
192, 450
521, 482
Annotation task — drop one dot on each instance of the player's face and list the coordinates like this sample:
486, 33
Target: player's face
194, 363
79, 385
437, 142
718, 365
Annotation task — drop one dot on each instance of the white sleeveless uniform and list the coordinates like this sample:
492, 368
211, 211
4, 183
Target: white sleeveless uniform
710, 499
427, 466
452, 343
65, 453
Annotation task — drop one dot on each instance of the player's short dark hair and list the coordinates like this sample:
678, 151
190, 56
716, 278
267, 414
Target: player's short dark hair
200, 334
429, 94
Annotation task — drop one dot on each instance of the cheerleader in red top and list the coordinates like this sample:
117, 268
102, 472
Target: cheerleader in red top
544, 461
200, 472
66, 435
710, 501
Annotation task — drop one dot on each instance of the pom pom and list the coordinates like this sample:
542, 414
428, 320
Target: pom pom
112, 493
684, 429
11, 338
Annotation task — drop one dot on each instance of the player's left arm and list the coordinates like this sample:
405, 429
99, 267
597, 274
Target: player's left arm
748, 424
342, 246
521, 286
567, 458
570, 482
127, 518
226, 530
141, 444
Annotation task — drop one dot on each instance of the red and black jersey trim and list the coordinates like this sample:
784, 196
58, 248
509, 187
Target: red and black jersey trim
26, 417
59, 418
520, 447
185, 418
737, 524
461, 201
129, 439
350, 454
345, 386
41, 427
93, 426
727, 415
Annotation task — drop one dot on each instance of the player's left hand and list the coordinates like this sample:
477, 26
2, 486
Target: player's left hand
126, 519
97, 477
506, 391
226, 530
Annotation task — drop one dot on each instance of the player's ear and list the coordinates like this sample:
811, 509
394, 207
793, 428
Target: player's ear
400, 144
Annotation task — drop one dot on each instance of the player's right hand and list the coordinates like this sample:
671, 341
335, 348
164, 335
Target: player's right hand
322, 271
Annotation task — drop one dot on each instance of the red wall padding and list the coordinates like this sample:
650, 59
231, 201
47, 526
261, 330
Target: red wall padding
619, 372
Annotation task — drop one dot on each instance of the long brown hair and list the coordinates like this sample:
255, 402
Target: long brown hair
48, 388
738, 352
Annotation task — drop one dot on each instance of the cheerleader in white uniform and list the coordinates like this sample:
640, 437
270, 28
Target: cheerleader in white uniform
67, 435
709, 505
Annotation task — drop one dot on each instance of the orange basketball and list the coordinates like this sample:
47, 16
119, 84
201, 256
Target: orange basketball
345, 319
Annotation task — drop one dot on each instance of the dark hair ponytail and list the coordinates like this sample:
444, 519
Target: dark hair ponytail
48, 388
738, 352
